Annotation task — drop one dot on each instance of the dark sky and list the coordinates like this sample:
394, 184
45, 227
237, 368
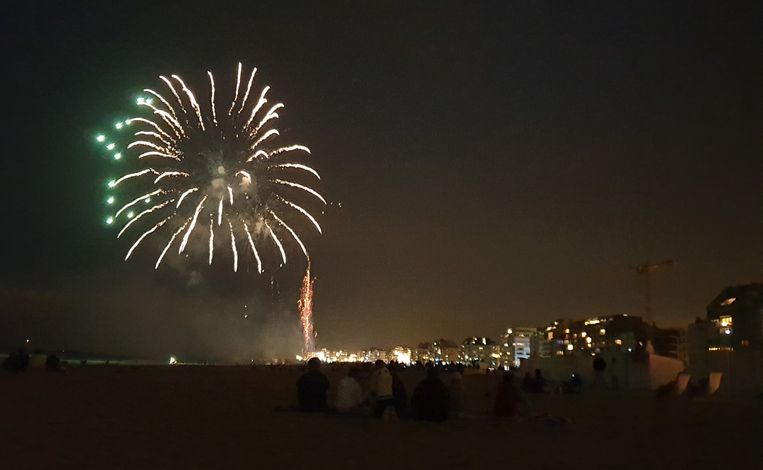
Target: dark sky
499, 164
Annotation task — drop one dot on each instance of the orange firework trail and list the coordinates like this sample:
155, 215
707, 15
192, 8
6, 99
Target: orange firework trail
305, 306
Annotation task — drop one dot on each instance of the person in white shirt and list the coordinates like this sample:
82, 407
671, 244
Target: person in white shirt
348, 395
381, 388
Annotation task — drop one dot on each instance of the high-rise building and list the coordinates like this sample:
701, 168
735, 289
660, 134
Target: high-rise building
439, 351
479, 351
598, 334
517, 344
737, 317
670, 342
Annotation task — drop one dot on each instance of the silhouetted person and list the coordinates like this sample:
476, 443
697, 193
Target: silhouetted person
507, 397
430, 399
527, 383
399, 394
599, 366
574, 385
17, 362
455, 389
312, 387
538, 383
53, 363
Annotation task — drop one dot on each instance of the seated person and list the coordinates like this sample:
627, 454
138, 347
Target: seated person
507, 398
312, 387
348, 393
431, 397
538, 383
574, 385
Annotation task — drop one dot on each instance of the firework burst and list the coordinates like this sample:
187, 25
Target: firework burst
211, 175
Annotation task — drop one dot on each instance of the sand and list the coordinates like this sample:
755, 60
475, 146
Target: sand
225, 417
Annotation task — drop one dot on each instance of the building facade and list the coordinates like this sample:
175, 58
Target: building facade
614, 333
737, 318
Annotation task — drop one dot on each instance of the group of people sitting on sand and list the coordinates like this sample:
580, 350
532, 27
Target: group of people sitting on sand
384, 394
20, 361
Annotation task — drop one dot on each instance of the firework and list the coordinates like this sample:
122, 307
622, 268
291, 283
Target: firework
305, 306
200, 162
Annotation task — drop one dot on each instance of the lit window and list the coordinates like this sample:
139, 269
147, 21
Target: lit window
728, 301
618, 342
583, 334
726, 320
744, 342
602, 332
570, 347
567, 330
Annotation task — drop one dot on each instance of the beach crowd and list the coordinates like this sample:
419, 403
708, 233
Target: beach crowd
380, 392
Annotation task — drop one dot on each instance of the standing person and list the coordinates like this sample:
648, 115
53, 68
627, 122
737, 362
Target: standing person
348, 392
574, 385
507, 397
380, 388
599, 366
494, 379
312, 387
527, 383
430, 399
539, 382
455, 390
399, 394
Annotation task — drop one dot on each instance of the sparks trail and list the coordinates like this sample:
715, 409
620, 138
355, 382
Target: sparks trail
305, 306
206, 160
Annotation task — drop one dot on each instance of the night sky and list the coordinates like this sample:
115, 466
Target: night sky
498, 164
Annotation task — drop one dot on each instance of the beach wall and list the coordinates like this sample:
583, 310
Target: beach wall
742, 371
622, 371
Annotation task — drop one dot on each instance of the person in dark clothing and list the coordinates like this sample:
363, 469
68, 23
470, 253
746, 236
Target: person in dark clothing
538, 382
17, 362
507, 398
574, 385
527, 383
53, 364
312, 387
431, 397
399, 394
599, 366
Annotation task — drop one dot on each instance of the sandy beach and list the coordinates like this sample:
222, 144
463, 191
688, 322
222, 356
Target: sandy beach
225, 417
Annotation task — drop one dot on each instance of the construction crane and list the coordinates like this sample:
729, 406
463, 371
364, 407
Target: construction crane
646, 270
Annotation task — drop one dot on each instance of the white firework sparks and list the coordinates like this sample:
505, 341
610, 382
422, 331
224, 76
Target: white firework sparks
204, 158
